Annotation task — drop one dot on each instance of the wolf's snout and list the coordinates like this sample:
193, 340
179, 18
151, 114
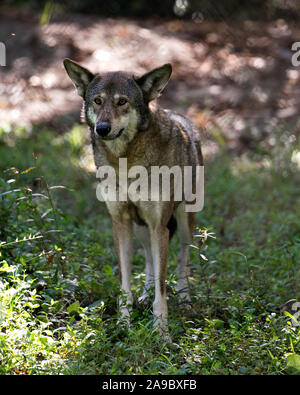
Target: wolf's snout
103, 128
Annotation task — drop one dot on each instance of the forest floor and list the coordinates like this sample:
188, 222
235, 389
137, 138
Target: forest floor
235, 80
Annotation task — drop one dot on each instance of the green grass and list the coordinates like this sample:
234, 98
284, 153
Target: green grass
59, 278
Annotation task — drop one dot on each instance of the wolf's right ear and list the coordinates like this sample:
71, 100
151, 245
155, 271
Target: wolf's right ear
80, 76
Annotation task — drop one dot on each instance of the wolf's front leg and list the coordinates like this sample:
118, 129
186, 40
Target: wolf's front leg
122, 232
143, 235
159, 246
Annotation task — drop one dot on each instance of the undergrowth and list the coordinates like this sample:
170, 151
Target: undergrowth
59, 277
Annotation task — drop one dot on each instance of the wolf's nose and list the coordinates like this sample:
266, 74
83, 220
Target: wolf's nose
103, 128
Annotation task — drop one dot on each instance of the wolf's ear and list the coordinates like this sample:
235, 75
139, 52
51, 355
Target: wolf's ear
154, 82
80, 76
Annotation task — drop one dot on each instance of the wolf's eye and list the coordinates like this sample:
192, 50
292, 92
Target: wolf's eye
121, 102
98, 101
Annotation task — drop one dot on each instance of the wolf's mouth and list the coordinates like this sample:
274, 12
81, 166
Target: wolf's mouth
120, 132
114, 137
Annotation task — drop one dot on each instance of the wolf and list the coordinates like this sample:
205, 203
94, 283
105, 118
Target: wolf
125, 121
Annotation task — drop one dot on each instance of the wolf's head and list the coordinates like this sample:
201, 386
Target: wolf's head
116, 103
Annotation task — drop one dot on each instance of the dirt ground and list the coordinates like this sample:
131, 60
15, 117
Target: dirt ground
234, 80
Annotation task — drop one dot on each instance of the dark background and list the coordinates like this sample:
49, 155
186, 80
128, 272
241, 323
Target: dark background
232, 70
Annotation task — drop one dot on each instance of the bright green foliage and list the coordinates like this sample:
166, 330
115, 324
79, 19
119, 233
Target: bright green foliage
59, 278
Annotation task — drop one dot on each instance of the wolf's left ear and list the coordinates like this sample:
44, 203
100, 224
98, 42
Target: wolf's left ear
154, 82
80, 76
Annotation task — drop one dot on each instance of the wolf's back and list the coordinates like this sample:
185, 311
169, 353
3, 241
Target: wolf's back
190, 130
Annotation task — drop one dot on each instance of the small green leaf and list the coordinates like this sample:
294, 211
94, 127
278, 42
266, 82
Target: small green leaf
32, 305
293, 361
74, 307
27, 170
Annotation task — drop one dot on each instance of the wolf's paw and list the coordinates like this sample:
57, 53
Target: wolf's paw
161, 328
124, 321
124, 316
184, 295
